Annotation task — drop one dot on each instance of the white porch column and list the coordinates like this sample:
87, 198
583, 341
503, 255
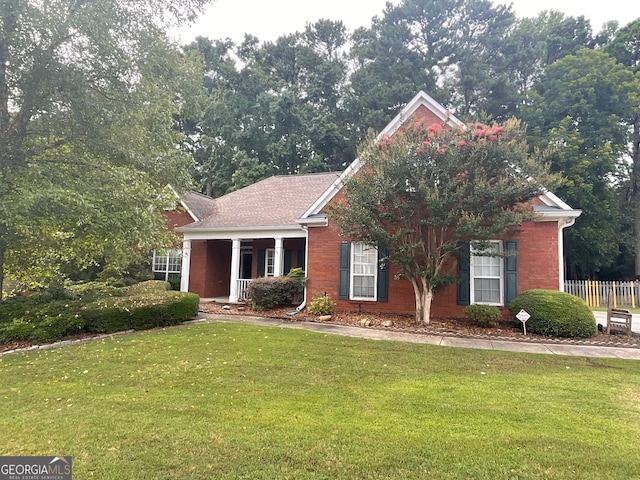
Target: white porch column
278, 258
185, 268
235, 271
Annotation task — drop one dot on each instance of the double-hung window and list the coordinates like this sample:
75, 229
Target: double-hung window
363, 275
364, 272
487, 275
269, 262
166, 263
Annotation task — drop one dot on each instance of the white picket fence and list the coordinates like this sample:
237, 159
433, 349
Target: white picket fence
595, 293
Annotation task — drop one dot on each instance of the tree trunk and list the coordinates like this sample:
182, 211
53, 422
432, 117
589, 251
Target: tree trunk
424, 294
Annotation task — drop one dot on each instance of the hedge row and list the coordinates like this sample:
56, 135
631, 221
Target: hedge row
95, 309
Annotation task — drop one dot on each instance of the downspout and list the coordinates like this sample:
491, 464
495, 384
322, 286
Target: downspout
300, 307
561, 265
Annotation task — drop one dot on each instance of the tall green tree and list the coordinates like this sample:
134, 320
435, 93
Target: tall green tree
534, 43
388, 68
582, 108
88, 92
479, 80
625, 47
454, 49
423, 191
277, 110
212, 136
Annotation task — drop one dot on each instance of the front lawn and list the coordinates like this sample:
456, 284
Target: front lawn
214, 401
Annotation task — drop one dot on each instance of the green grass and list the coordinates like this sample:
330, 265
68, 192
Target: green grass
216, 401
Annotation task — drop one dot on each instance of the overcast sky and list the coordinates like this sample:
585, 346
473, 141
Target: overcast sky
269, 19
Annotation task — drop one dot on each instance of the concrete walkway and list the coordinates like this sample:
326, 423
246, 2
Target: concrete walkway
558, 348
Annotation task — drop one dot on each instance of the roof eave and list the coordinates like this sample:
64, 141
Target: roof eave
315, 221
570, 214
244, 233
184, 204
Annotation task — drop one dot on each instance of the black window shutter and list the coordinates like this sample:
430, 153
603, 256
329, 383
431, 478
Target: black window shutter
287, 261
464, 274
300, 263
261, 258
383, 275
345, 263
510, 271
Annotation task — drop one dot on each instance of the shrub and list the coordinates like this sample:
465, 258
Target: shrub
141, 311
297, 275
54, 290
57, 327
91, 291
15, 307
46, 323
160, 310
483, 315
101, 317
270, 292
555, 313
98, 308
321, 304
150, 286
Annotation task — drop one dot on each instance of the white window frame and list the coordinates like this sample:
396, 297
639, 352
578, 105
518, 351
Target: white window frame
168, 266
269, 262
472, 277
352, 274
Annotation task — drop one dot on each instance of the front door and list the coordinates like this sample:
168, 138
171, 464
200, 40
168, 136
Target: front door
246, 261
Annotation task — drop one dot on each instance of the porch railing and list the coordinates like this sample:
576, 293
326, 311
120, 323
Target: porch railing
243, 283
595, 293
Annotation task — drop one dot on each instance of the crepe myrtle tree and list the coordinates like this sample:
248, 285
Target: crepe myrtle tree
425, 191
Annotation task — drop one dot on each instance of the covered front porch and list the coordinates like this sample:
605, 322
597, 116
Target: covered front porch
222, 268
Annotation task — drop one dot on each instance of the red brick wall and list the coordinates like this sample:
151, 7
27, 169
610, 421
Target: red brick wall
177, 218
210, 271
218, 275
537, 268
425, 117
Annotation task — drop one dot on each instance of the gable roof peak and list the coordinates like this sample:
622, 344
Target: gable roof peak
421, 99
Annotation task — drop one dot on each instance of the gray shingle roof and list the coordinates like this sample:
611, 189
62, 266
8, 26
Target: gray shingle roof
200, 205
273, 202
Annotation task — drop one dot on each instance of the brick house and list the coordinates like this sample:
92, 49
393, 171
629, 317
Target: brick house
280, 223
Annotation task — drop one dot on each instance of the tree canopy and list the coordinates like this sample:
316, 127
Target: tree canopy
88, 95
583, 107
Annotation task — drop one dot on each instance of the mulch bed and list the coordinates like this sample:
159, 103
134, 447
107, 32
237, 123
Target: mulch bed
459, 327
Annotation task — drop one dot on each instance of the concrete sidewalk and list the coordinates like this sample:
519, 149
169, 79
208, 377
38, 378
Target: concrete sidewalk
559, 348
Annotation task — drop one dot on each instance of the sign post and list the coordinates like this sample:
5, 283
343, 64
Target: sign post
523, 316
